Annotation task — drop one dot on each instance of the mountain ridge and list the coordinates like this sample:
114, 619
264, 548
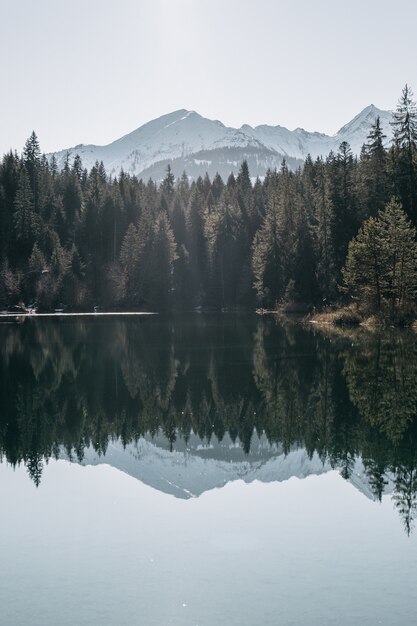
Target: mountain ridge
194, 468
186, 140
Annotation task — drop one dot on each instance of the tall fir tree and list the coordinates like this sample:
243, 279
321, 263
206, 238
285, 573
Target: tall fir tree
404, 124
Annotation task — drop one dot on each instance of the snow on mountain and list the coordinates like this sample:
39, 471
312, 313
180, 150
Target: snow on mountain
193, 468
356, 131
186, 140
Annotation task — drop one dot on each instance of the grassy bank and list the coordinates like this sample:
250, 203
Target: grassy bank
351, 315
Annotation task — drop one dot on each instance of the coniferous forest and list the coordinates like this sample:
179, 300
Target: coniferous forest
76, 238
69, 386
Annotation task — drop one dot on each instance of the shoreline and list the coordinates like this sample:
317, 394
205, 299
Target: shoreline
349, 317
86, 314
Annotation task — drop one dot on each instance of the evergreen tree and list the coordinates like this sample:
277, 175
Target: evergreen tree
404, 121
196, 243
374, 171
163, 256
130, 257
32, 161
345, 218
167, 190
324, 223
217, 187
72, 205
9, 181
27, 224
381, 266
405, 495
404, 125
10, 288
223, 230
305, 280
267, 258
37, 265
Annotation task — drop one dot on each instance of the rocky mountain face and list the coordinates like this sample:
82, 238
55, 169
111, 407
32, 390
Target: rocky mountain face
193, 467
189, 142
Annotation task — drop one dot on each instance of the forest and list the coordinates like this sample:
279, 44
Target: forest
67, 386
80, 239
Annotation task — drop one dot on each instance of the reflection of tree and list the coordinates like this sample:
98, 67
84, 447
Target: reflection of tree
345, 440
321, 402
233, 399
405, 495
304, 394
34, 466
84, 383
148, 365
376, 472
71, 385
278, 377
381, 375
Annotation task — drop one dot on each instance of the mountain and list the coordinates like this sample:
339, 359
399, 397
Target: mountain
187, 141
193, 468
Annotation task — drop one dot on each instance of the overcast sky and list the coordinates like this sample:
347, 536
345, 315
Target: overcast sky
90, 71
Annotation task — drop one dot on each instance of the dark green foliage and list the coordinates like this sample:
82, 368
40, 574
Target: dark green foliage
162, 257
123, 242
374, 171
381, 266
404, 124
32, 163
82, 384
345, 213
27, 224
324, 226
267, 262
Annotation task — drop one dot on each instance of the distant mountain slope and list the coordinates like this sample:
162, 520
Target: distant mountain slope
192, 468
187, 141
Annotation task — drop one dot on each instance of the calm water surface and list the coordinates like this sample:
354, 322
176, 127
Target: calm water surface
206, 470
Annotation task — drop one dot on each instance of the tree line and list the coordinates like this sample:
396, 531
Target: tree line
78, 238
70, 385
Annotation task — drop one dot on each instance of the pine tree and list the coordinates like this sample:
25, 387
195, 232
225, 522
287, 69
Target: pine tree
72, 205
244, 197
345, 218
130, 257
324, 224
217, 187
267, 258
405, 496
167, 190
374, 173
404, 121
381, 267
196, 242
36, 261
404, 125
32, 161
27, 224
9, 181
305, 279
223, 233
163, 256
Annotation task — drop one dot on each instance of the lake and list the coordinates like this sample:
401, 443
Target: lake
206, 469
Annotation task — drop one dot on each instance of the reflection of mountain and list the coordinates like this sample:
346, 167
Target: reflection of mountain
254, 389
193, 468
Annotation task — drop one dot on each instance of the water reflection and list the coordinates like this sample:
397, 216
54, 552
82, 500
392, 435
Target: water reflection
232, 389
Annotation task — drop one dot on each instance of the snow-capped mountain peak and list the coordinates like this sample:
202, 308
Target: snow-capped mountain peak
364, 120
193, 469
188, 141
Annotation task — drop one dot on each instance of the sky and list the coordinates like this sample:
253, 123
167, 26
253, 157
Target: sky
90, 71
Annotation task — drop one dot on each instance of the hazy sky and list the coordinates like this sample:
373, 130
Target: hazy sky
90, 71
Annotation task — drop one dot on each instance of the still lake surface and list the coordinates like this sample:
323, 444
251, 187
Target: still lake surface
204, 470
